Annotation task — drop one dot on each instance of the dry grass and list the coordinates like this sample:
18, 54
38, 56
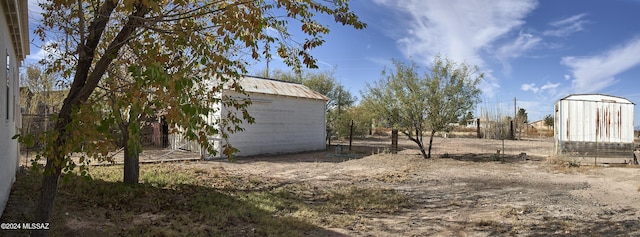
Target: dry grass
516, 211
183, 200
393, 176
564, 165
470, 191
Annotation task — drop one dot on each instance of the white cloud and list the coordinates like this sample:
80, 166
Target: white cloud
567, 26
594, 73
549, 87
517, 48
457, 29
34, 58
489, 85
567, 77
530, 87
44, 51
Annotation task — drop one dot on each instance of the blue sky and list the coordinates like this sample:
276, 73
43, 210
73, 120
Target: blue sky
536, 51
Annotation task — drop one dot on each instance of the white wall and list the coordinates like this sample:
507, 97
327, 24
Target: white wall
594, 118
283, 124
8, 127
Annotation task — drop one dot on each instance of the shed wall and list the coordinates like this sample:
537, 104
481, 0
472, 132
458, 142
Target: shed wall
594, 125
283, 124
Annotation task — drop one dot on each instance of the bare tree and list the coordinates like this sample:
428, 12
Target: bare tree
40, 99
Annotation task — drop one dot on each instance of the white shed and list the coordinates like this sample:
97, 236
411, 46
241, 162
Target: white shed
289, 117
594, 125
14, 46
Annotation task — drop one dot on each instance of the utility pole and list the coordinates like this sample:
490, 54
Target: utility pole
351, 135
268, 49
267, 72
514, 120
514, 107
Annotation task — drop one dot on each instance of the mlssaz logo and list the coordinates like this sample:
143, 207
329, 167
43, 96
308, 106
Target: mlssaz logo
25, 226
35, 226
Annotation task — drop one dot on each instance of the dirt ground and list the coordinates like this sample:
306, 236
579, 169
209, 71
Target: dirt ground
467, 190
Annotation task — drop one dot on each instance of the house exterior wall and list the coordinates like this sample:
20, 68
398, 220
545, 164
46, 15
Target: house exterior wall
594, 125
539, 125
283, 124
10, 113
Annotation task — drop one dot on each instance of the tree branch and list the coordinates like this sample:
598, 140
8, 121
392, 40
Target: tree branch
134, 21
86, 54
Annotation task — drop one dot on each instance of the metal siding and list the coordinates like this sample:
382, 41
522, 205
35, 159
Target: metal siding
595, 118
594, 125
289, 117
276, 87
626, 121
287, 124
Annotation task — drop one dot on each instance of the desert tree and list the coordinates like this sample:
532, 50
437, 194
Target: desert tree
521, 118
212, 41
466, 119
548, 120
322, 81
326, 83
433, 101
362, 121
279, 74
340, 99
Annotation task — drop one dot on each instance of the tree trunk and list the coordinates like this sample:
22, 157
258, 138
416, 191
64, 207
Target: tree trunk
424, 154
433, 133
54, 165
418, 140
131, 165
82, 87
131, 140
44, 211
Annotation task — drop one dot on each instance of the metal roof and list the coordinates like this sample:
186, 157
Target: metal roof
16, 14
597, 98
276, 87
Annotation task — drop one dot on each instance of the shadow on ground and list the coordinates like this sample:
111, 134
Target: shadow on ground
86, 207
489, 157
332, 154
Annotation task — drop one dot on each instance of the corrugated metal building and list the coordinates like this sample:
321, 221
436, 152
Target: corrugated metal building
289, 117
591, 125
14, 46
